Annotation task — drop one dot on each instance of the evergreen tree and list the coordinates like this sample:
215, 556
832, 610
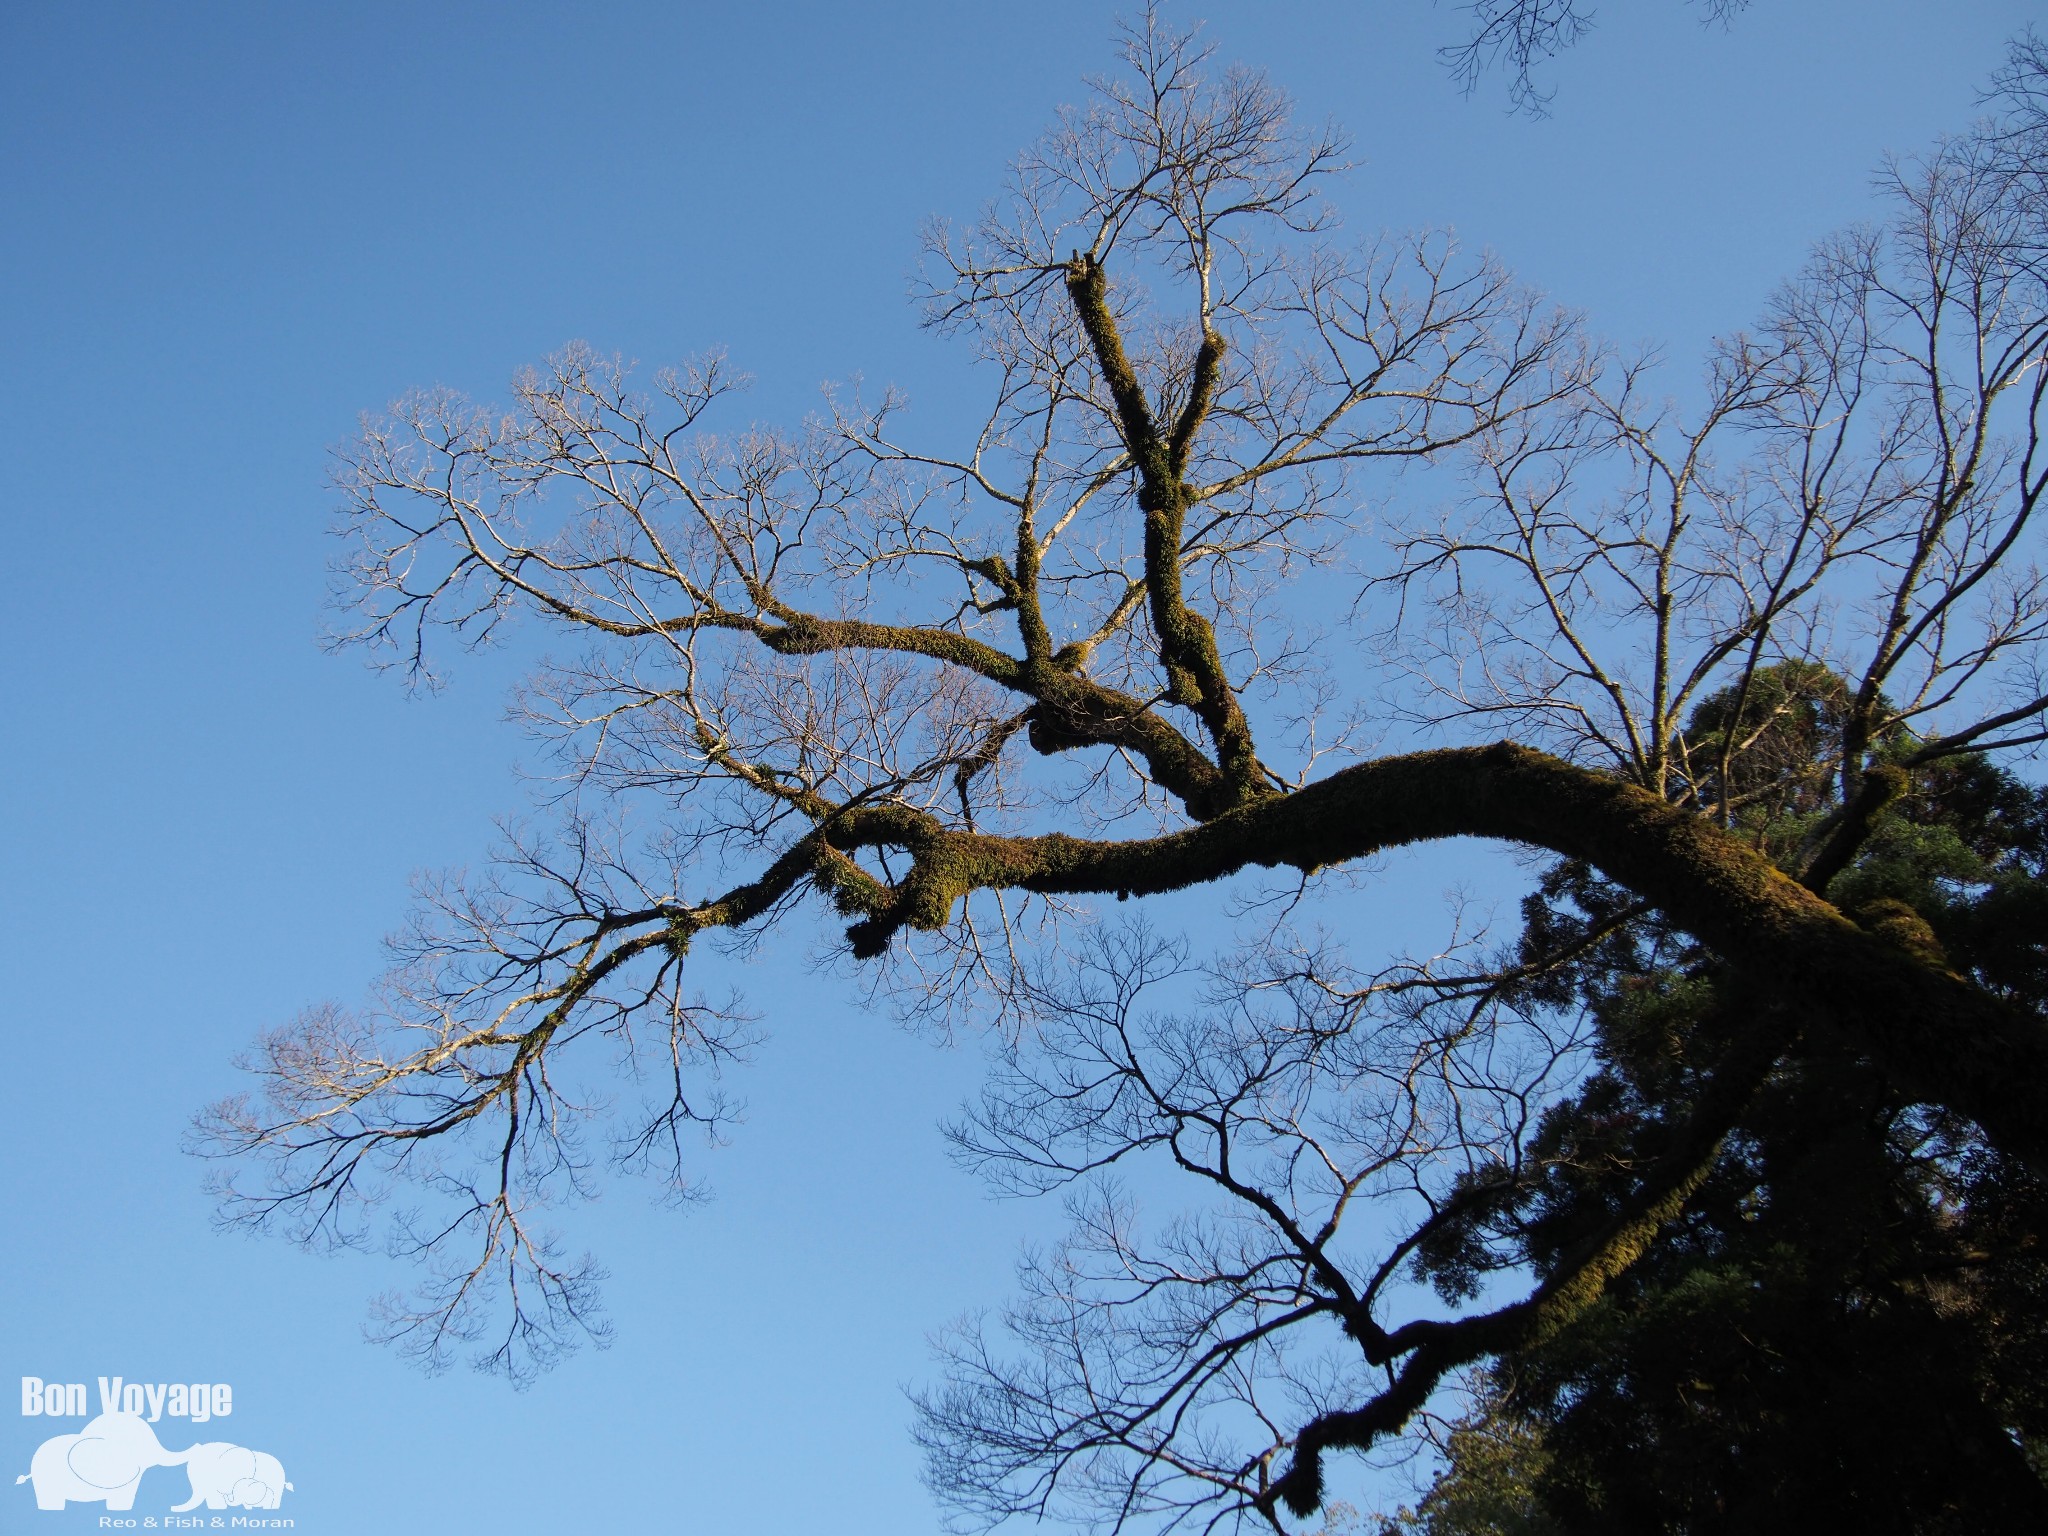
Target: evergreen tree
1849, 1322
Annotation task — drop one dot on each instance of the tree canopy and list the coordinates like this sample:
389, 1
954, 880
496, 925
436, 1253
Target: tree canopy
1743, 668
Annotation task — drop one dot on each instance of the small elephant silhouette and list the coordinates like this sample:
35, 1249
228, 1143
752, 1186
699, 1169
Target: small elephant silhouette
103, 1461
232, 1476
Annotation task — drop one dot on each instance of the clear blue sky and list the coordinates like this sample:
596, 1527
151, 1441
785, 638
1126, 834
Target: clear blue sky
229, 228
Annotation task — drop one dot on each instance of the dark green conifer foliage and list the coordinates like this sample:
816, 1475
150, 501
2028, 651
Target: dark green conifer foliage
1848, 1327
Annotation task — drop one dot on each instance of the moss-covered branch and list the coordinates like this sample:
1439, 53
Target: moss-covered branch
1949, 1041
1195, 677
1069, 710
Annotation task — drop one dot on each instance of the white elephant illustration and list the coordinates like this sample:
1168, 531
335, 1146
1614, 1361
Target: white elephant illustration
232, 1476
105, 1460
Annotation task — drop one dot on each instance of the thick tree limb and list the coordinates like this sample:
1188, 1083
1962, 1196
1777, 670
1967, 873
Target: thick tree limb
1881, 786
1187, 641
1950, 1042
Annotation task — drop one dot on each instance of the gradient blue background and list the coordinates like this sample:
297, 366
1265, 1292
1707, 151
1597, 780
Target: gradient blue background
225, 230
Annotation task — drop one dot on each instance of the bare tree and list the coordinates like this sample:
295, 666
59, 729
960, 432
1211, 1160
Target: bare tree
945, 692
1857, 490
1520, 36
